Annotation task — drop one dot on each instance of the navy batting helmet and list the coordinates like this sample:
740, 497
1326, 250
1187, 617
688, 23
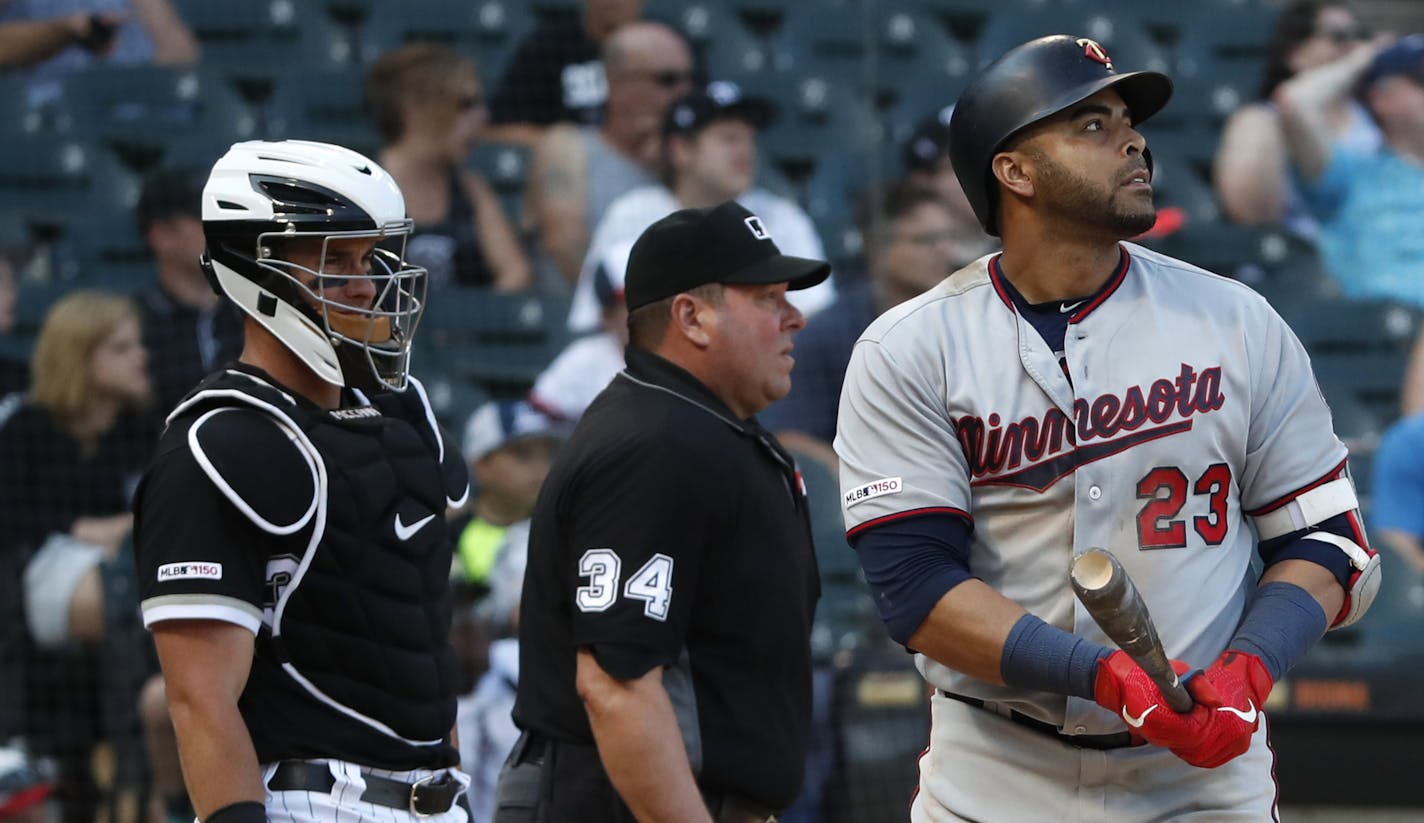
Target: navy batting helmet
1030, 82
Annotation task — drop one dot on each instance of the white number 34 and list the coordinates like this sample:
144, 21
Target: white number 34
651, 584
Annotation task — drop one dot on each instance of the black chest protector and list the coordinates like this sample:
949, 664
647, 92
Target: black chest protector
358, 605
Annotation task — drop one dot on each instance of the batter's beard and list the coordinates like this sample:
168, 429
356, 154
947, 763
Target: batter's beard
1066, 192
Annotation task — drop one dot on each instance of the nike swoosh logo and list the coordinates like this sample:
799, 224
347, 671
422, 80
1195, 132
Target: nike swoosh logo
404, 532
1248, 716
1067, 307
1136, 722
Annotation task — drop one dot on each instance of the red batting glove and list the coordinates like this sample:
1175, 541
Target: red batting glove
1122, 687
1232, 689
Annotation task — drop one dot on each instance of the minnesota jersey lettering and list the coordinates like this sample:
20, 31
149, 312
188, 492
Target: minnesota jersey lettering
994, 448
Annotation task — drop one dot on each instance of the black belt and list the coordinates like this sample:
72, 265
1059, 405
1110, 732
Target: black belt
429, 796
731, 808
532, 748
1100, 742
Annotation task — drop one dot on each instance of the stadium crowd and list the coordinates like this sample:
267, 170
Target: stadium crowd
533, 144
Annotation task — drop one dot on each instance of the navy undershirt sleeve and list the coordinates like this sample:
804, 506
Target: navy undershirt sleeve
910, 564
1046, 658
1281, 623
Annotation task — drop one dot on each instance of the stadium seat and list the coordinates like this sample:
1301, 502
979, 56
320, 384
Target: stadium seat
327, 107
882, 718
32, 303
452, 398
1200, 105
497, 341
504, 166
17, 115
1210, 49
979, 10
816, 113
1176, 182
724, 45
136, 109
1360, 349
265, 39
1362, 327
1122, 34
1267, 259
838, 562
904, 105
1360, 428
62, 180
486, 31
830, 196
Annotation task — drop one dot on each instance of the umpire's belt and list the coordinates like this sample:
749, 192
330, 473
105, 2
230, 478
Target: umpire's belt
731, 808
1101, 742
425, 797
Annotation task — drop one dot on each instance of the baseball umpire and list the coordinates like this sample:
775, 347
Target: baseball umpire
1078, 391
293, 560
665, 668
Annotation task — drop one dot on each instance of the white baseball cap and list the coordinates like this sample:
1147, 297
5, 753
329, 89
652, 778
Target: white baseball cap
498, 423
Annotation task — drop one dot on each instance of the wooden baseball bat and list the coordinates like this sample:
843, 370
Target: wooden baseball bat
1110, 597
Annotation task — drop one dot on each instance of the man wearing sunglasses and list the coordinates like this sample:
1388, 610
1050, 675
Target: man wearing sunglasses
577, 171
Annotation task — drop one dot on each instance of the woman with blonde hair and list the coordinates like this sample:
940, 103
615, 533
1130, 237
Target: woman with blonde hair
429, 109
71, 451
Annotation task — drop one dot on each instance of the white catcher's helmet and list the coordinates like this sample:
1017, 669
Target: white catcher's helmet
262, 192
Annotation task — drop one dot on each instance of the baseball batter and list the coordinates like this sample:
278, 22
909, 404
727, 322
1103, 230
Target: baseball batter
1078, 391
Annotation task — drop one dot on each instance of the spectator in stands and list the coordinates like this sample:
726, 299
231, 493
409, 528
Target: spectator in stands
167, 797
555, 75
188, 330
914, 247
709, 156
73, 452
1252, 173
577, 171
925, 155
52, 38
582, 370
508, 445
1397, 492
14, 374
1411, 395
429, 107
26, 784
1369, 202
486, 727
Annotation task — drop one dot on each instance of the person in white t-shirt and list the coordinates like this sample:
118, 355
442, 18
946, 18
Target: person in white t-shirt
709, 156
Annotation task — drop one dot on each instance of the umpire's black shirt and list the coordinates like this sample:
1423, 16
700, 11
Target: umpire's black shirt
670, 533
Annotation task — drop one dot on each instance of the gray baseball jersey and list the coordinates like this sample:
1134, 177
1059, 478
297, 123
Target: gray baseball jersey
1188, 407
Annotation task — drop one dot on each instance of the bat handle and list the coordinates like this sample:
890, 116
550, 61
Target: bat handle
1176, 693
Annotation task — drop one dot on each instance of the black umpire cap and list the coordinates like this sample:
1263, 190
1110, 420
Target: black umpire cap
721, 100
724, 244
